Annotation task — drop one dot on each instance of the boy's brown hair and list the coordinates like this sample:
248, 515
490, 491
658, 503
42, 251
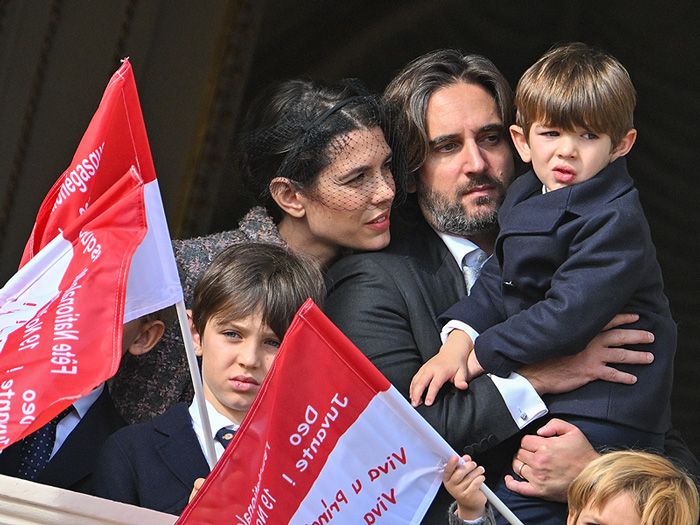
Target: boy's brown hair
575, 85
662, 494
252, 278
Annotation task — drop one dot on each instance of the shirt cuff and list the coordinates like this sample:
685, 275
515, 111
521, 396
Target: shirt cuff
523, 402
458, 325
456, 520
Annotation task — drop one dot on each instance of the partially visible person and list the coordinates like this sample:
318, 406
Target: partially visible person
449, 115
632, 488
72, 440
316, 158
463, 480
242, 306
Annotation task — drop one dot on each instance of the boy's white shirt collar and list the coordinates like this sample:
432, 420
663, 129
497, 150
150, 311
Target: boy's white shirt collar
84, 404
217, 421
72, 419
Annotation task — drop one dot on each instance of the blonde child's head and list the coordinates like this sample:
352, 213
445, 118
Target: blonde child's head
659, 493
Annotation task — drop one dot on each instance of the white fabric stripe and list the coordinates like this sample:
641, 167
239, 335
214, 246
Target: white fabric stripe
153, 281
384, 427
20, 299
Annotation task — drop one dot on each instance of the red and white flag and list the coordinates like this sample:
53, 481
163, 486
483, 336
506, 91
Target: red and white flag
101, 223
61, 314
327, 438
114, 141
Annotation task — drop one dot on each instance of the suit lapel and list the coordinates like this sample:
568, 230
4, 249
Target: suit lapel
435, 272
179, 440
448, 278
9, 459
527, 210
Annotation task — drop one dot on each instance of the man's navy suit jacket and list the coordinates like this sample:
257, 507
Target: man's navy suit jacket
152, 464
72, 467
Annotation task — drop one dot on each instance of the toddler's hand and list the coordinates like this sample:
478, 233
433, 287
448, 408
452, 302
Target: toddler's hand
450, 364
474, 368
463, 480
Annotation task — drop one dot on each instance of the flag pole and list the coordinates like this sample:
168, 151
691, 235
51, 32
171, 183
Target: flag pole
197, 383
500, 506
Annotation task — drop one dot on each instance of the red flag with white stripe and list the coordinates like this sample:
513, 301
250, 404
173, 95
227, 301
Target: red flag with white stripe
114, 141
328, 438
61, 314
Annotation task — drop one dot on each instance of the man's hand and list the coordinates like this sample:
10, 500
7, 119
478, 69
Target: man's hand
549, 461
564, 374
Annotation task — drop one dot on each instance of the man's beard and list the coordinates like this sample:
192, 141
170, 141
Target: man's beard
448, 216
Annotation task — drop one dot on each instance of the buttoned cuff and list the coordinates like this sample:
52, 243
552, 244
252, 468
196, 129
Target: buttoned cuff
458, 325
523, 402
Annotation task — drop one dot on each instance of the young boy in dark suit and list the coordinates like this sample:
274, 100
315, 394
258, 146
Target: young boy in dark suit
81, 431
574, 248
242, 307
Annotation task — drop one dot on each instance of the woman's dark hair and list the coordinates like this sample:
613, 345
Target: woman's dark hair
289, 129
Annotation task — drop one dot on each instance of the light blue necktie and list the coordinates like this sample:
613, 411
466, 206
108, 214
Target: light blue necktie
471, 267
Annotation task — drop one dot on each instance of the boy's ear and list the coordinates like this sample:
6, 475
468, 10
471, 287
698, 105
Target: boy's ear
196, 339
520, 143
149, 334
625, 145
287, 196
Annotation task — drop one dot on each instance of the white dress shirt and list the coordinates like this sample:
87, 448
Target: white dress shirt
72, 418
217, 421
523, 402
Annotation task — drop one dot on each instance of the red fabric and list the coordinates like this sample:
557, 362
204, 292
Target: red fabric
315, 363
59, 346
64, 309
114, 141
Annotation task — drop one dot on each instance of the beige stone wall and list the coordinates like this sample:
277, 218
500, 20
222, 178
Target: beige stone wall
26, 503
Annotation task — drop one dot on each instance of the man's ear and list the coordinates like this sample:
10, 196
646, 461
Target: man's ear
285, 193
520, 143
150, 333
625, 145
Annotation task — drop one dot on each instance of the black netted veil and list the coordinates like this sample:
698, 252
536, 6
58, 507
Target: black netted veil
302, 129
